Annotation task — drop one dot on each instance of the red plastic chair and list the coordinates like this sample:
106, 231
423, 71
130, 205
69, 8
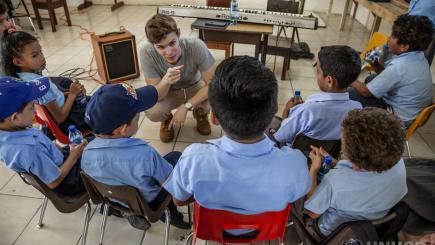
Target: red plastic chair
44, 117
209, 225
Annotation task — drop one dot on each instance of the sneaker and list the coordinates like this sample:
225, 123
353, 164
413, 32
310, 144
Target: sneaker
177, 221
139, 222
166, 133
202, 123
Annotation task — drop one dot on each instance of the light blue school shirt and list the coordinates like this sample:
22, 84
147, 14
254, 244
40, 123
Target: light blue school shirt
347, 195
126, 161
31, 151
241, 178
319, 117
423, 7
405, 84
53, 93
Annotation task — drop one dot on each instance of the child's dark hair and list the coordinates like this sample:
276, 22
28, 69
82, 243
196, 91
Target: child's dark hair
373, 139
340, 62
243, 96
413, 30
12, 47
19, 110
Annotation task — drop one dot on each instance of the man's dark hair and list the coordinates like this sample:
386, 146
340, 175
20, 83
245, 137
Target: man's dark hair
373, 139
340, 62
413, 30
3, 7
243, 96
159, 26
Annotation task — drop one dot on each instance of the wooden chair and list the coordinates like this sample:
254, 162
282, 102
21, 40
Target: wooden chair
421, 120
50, 6
227, 46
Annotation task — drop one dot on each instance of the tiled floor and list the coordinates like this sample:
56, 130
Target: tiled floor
19, 203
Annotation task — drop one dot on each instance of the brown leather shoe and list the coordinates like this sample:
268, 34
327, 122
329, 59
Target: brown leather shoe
166, 133
202, 123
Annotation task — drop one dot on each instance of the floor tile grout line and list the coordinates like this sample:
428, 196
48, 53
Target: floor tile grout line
30, 220
12, 195
7, 182
425, 141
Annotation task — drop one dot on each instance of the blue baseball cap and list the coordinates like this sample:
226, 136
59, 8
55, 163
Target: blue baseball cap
13, 94
115, 104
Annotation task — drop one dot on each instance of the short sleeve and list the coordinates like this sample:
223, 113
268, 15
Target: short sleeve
291, 126
162, 169
384, 82
321, 200
44, 167
149, 68
178, 183
203, 55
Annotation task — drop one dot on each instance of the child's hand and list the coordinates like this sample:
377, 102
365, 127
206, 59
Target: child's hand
77, 151
316, 158
290, 104
172, 75
76, 88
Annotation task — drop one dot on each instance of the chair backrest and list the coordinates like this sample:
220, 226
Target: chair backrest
363, 231
303, 143
128, 195
42, 114
63, 203
420, 120
210, 225
218, 3
378, 39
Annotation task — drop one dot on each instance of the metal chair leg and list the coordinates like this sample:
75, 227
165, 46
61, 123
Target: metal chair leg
103, 224
189, 213
189, 239
85, 226
407, 148
167, 225
143, 237
41, 215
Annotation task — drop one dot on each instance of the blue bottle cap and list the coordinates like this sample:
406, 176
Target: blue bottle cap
72, 128
327, 160
297, 93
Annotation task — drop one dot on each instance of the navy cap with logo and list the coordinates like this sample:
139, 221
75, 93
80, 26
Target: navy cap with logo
116, 104
14, 94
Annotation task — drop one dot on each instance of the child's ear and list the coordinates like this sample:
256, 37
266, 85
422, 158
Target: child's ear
213, 118
331, 82
120, 130
404, 47
17, 62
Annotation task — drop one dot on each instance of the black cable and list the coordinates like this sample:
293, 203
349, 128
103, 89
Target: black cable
78, 73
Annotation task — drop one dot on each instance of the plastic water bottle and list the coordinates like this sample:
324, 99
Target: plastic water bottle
375, 54
298, 96
75, 136
81, 98
326, 166
234, 12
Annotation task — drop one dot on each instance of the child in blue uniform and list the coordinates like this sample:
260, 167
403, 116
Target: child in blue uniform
114, 157
25, 149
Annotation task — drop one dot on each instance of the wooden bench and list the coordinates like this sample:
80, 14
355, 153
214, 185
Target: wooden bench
388, 11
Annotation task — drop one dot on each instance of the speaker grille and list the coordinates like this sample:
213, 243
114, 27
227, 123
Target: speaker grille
119, 58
